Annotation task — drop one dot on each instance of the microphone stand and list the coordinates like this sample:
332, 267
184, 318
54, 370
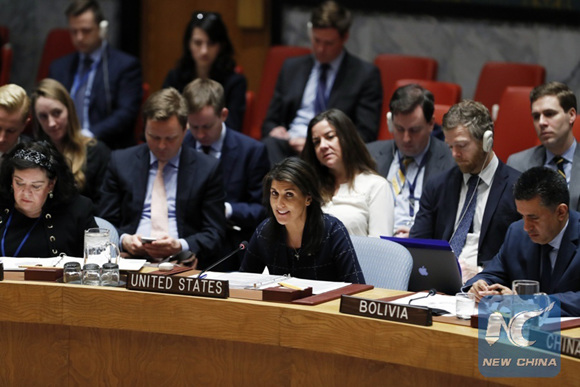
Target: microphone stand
242, 246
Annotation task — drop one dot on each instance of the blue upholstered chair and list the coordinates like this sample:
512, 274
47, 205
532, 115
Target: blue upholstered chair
114, 234
385, 264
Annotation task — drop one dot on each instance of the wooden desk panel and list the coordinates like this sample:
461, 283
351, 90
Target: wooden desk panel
80, 335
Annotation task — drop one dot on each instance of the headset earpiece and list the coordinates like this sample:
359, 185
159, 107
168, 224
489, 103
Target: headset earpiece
487, 141
103, 29
309, 29
390, 124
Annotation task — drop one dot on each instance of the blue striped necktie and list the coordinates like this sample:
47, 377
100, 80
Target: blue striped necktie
320, 100
467, 213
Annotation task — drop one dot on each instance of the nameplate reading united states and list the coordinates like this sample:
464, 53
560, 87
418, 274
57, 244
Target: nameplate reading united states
382, 310
178, 285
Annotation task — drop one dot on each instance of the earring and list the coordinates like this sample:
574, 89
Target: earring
50, 195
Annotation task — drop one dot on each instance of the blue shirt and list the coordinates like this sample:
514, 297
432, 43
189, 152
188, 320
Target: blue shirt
299, 126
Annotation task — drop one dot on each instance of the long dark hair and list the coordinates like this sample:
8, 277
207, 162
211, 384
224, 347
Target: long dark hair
42, 155
214, 27
355, 155
297, 172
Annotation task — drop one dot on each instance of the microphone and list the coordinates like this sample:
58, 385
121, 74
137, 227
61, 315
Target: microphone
243, 245
432, 292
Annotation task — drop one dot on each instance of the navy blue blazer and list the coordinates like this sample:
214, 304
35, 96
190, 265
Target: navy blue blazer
357, 91
438, 209
520, 258
199, 202
244, 163
112, 114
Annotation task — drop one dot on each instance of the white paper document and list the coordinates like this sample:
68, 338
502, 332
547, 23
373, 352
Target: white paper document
239, 280
438, 301
15, 264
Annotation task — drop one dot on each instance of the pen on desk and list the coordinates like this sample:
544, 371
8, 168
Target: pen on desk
290, 286
202, 276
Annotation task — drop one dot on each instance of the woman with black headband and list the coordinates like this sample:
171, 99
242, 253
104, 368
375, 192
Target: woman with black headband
41, 211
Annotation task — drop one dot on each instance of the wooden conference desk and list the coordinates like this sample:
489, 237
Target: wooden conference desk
54, 334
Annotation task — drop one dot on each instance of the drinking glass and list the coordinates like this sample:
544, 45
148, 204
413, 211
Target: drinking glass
91, 274
110, 274
525, 287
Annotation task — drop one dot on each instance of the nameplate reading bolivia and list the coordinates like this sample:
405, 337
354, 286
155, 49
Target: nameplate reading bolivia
417, 315
178, 285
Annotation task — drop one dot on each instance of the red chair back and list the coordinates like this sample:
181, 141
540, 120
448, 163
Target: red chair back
58, 43
496, 76
514, 127
395, 67
445, 93
5, 64
274, 60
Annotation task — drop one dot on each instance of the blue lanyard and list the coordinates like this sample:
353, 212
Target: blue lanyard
413, 184
23, 240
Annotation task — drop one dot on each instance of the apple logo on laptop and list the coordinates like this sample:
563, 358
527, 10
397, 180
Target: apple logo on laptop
423, 271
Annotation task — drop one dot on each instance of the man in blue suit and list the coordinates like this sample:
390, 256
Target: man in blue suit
543, 246
105, 83
243, 160
414, 154
165, 190
471, 205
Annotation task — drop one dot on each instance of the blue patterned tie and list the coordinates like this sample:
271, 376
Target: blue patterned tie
79, 97
320, 101
467, 213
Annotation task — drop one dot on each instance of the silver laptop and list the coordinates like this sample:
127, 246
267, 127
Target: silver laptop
434, 265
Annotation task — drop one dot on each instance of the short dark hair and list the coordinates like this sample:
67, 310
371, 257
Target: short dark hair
355, 155
298, 172
78, 7
559, 90
544, 182
164, 104
42, 155
331, 15
471, 114
204, 92
406, 99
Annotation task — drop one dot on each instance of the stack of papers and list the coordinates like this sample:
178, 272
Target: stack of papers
15, 264
239, 280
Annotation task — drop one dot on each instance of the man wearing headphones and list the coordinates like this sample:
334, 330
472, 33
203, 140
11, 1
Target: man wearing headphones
329, 78
554, 112
414, 155
106, 84
471, 205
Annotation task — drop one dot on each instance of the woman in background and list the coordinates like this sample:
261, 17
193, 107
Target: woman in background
350, 186
55, 120
41, 213
298, 238
208, 53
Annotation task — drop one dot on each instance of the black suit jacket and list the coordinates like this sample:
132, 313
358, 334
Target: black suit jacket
357, 91
199, 200
439, 158
519, 258
438, 209
112, 114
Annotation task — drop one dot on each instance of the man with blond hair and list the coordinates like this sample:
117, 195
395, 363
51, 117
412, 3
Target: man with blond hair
14, 116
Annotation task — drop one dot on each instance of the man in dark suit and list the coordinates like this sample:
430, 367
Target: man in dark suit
164, 190
554, 113
243, 160
471, 205
414, 155
14, 116
543, 246
330, 78
105, 83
